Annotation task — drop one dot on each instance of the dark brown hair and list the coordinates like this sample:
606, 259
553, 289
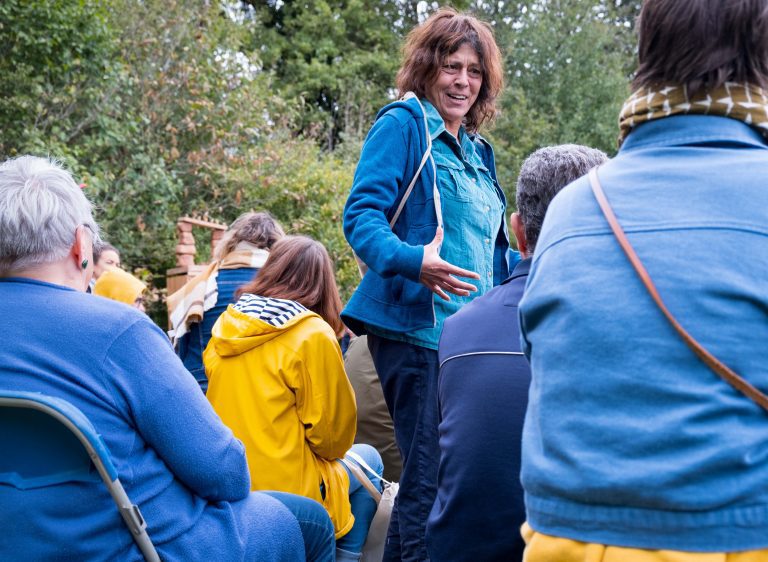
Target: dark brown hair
102, 247
702, 44
441, 35
299, 269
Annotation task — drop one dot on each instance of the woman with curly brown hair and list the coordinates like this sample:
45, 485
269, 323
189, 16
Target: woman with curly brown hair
424, 212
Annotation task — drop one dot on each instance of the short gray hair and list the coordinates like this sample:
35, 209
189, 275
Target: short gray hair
543, 174
260, 229
41, 206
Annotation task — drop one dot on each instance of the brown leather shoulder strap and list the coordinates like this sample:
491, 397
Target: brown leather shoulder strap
711, 361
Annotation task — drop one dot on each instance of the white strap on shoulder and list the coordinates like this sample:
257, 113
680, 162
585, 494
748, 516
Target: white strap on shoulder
427, 156
362, 478
359, 460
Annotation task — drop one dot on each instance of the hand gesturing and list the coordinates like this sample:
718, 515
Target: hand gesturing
439, 276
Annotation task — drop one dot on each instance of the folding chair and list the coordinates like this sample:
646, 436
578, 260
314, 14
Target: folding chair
47, 440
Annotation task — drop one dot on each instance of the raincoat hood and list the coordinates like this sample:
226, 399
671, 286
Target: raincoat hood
253, 320
119, 286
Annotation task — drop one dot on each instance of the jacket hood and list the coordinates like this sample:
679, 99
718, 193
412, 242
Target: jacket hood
411, 105
119, 286
252, 321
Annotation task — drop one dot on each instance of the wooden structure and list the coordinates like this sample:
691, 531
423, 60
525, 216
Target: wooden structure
186, 268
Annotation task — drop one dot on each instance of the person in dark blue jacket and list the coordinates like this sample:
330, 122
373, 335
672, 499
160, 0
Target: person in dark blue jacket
483, 389
195, 307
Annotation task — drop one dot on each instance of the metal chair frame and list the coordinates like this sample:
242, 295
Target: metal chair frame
74, 420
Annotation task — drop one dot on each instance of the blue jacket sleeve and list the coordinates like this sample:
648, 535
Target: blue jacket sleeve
173, 416
377, 185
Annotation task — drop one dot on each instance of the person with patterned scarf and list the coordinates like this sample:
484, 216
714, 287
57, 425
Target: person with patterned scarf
194, 308
633, 448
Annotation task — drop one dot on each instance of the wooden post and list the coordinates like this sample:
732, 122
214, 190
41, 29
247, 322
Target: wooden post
186, 252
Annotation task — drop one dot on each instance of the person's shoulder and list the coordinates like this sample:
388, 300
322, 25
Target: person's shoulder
113, 318
405, 113
314, 327
571, 198
478, 310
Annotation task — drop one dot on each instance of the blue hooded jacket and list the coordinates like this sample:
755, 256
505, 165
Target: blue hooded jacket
390, 295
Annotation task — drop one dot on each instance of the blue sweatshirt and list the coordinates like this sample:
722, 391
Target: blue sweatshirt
175, 458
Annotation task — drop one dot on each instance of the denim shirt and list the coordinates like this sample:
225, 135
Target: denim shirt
473, 213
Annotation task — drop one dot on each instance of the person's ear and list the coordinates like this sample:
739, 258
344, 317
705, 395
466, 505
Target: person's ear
518, 229
82, 249
82, 253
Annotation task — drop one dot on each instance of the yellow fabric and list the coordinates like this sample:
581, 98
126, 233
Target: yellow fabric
284, 393
744, 102
545, 548
119, 285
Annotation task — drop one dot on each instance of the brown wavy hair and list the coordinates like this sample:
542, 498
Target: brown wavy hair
299, 269
441, 35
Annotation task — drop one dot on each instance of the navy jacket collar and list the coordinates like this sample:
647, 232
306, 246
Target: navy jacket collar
521, 270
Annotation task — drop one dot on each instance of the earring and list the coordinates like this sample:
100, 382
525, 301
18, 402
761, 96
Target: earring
84, 264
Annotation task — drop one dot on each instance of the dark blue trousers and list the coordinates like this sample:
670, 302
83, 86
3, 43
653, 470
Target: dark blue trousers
408, 375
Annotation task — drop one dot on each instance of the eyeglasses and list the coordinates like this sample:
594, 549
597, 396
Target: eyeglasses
95, 238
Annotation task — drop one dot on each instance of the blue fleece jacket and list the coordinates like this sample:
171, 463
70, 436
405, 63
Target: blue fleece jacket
390, 295
175, 458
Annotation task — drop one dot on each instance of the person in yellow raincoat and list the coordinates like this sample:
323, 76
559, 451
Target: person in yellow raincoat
276, 378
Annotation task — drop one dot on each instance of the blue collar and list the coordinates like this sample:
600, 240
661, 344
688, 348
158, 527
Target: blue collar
679, 130
436, 123
521, 270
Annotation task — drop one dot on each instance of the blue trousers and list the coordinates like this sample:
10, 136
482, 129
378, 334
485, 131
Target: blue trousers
363, 505
408, 375
316, 527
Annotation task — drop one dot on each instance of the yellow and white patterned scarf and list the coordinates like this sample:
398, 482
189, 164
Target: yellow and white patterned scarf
744, 102
188, 305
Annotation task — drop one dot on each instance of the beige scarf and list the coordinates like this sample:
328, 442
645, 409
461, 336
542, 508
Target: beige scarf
188, 305
744, 102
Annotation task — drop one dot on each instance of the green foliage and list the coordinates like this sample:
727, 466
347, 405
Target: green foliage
191, 107
337, 56
54, 55
304, 188
565, 62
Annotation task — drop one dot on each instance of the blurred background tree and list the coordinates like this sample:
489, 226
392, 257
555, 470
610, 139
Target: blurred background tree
211, 108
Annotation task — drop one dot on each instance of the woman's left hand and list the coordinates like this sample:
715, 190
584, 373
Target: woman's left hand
439, 276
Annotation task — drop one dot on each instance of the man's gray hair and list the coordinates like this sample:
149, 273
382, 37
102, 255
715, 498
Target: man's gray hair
41, 206
543, 174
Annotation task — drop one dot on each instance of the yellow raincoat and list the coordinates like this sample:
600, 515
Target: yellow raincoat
277, 379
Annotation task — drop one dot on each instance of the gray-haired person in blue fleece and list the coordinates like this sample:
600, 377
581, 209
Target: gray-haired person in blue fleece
426, 214
176, 459
483, 389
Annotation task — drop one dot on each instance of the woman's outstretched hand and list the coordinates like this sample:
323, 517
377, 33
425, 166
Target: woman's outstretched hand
439, 276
